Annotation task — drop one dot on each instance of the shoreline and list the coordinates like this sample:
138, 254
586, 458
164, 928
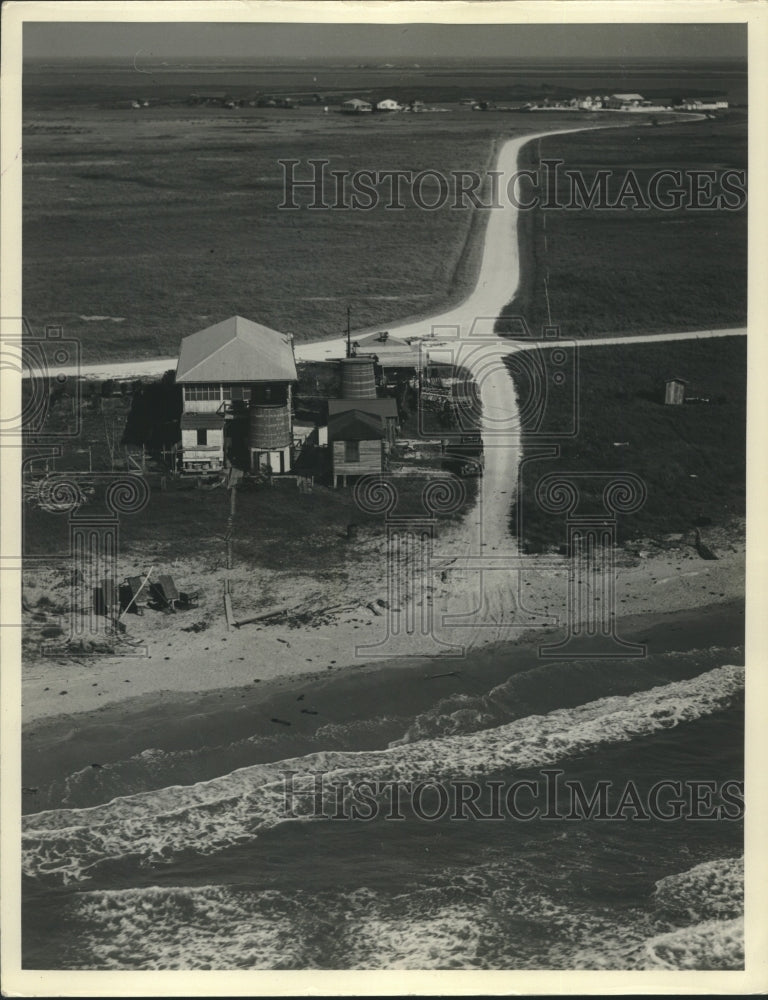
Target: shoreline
172, 720
321, 641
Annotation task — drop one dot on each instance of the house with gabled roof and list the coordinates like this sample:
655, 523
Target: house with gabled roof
236, 379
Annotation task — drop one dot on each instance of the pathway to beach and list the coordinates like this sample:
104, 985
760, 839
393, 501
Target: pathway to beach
476, 588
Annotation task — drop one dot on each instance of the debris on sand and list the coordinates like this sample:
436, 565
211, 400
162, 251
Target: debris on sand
702, 548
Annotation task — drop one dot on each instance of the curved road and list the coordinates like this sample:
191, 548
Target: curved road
466, 335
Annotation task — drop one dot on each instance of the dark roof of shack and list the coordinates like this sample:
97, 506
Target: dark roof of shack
354, 425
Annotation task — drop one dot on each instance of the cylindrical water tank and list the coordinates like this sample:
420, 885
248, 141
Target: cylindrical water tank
270, 426
358, 378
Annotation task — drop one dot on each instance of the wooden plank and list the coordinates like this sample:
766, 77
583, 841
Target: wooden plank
228, 612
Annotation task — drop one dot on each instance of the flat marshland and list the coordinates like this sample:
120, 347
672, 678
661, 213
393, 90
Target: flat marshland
691, 457
141, 226
635, 269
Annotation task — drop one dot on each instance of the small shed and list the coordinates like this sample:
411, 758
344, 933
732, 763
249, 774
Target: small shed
357, 445
674, 391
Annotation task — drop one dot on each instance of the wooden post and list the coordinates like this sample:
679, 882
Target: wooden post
230, 524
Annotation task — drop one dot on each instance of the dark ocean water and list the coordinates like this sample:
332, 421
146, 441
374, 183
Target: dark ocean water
133, 866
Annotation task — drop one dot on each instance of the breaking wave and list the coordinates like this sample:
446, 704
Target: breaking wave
208, 817
458, 921
558, 685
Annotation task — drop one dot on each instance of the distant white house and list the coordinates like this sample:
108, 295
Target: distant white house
718, 104
355, 106
620, 102
388, 105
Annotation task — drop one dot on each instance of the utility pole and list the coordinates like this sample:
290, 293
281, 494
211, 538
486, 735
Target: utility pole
231, 524
349, 334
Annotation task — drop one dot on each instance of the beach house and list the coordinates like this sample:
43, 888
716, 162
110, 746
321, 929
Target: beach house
236, 379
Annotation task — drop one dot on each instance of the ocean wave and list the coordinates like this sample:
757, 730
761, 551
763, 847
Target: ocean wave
559, 685
211, 816
711, 889
155, 768
497, 916
713, 945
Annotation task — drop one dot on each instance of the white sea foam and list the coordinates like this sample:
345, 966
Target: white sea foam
209, 927
712, 889
492, 917
713, 945
210, 816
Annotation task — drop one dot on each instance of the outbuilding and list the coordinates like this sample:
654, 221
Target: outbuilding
674, 391
357, 445
383, 409
388, 105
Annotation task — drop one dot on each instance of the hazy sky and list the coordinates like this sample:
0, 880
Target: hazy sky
156, 41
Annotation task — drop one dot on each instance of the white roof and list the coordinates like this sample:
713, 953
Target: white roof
236, 350
628, 97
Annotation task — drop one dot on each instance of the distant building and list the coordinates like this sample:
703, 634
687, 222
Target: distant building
388, 105
674, 391
623, 102
355, 106
236, 379
356, 439
714, 104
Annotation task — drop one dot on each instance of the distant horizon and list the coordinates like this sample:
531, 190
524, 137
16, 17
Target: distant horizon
411, 42
405, 60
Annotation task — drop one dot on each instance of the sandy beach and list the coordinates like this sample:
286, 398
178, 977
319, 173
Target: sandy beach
327, 625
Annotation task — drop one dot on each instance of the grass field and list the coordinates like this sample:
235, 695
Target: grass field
138, 231
691, 457
632, 270
140, 228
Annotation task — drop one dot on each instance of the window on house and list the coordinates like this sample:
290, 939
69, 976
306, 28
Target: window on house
202, 435
232, 393
202, 390
351, 451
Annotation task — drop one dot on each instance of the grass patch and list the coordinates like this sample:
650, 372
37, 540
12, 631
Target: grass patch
632, 270
692, 458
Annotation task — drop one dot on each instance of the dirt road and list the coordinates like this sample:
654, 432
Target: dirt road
464, 334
